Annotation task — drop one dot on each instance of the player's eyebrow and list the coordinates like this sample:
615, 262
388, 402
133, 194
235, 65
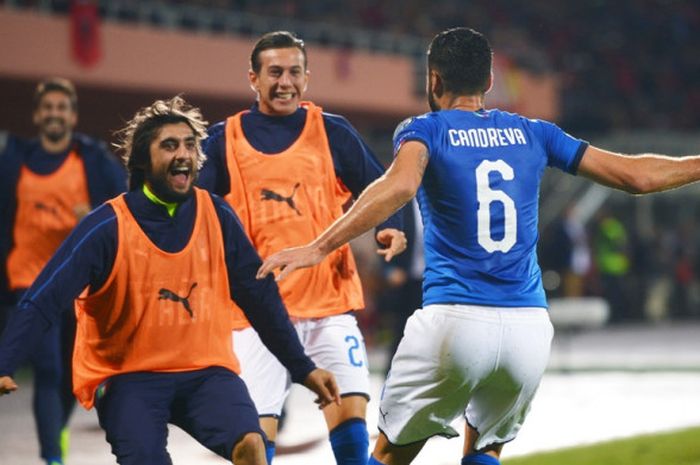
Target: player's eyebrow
173, 139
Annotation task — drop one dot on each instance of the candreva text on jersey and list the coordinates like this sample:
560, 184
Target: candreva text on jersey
486, 137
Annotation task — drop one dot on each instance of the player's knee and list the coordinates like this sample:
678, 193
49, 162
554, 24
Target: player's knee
386, 452
383, 449
250, 449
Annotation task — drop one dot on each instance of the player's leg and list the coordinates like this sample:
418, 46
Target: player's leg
446, 352
347, 430
386, 453
249, 450
490, 455
269, 425
267, 381
403, 431
502, 400
134, 409
214, 407
47, 401
336, 344
68, 328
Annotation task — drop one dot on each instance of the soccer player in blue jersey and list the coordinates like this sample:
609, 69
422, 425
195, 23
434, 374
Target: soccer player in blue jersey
480, 344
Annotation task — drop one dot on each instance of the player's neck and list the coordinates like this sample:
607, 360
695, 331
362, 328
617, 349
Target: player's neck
465, 102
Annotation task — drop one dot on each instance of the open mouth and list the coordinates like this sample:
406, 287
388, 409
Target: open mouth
180, 176
53, 124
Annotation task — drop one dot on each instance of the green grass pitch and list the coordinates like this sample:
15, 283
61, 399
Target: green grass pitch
674, 448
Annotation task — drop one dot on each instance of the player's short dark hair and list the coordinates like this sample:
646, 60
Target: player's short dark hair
276, 39
462, 57
136, 137
56, 84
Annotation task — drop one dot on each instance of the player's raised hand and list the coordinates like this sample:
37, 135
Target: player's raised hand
7, 385
394, 241
288, 260
323, 383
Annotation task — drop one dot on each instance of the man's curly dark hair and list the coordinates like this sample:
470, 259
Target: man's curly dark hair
135, 139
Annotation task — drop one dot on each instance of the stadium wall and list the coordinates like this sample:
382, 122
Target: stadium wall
138, 57
140, 62
134, 57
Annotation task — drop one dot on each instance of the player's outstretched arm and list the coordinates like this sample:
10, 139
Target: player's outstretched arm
641, 173
381, 198
7, 385
323, 383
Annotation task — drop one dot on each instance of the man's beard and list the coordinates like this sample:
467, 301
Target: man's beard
159, 186
54, 135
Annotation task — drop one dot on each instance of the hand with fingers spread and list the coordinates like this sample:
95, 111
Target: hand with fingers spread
7, 385
288, 260
323, 383
394, 242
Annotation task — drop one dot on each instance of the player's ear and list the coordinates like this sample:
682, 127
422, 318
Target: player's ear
73, 119
253, 81
489, 84
307, 74
436, 85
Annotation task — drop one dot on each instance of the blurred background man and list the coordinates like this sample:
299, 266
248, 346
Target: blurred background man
48, 185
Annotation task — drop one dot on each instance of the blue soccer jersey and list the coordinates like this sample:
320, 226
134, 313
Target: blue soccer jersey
479, 202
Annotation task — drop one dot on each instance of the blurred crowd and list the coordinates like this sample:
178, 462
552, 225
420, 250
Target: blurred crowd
637, 60
645, 275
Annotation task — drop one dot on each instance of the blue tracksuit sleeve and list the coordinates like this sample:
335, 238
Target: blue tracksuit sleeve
214, 174
260, 299
84, 259
354, 162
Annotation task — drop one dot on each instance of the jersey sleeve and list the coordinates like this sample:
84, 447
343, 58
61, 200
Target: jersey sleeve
418, 128
563, 150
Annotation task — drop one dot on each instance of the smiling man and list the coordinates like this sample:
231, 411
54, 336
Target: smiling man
161, 265
46, 186
287, 168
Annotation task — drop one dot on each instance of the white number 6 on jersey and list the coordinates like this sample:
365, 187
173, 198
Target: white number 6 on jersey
485, 195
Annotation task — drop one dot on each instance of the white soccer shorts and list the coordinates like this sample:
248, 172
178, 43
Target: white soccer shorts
481, 362
333, 343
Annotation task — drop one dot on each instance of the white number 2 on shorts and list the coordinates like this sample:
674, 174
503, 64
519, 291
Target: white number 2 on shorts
354, 351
